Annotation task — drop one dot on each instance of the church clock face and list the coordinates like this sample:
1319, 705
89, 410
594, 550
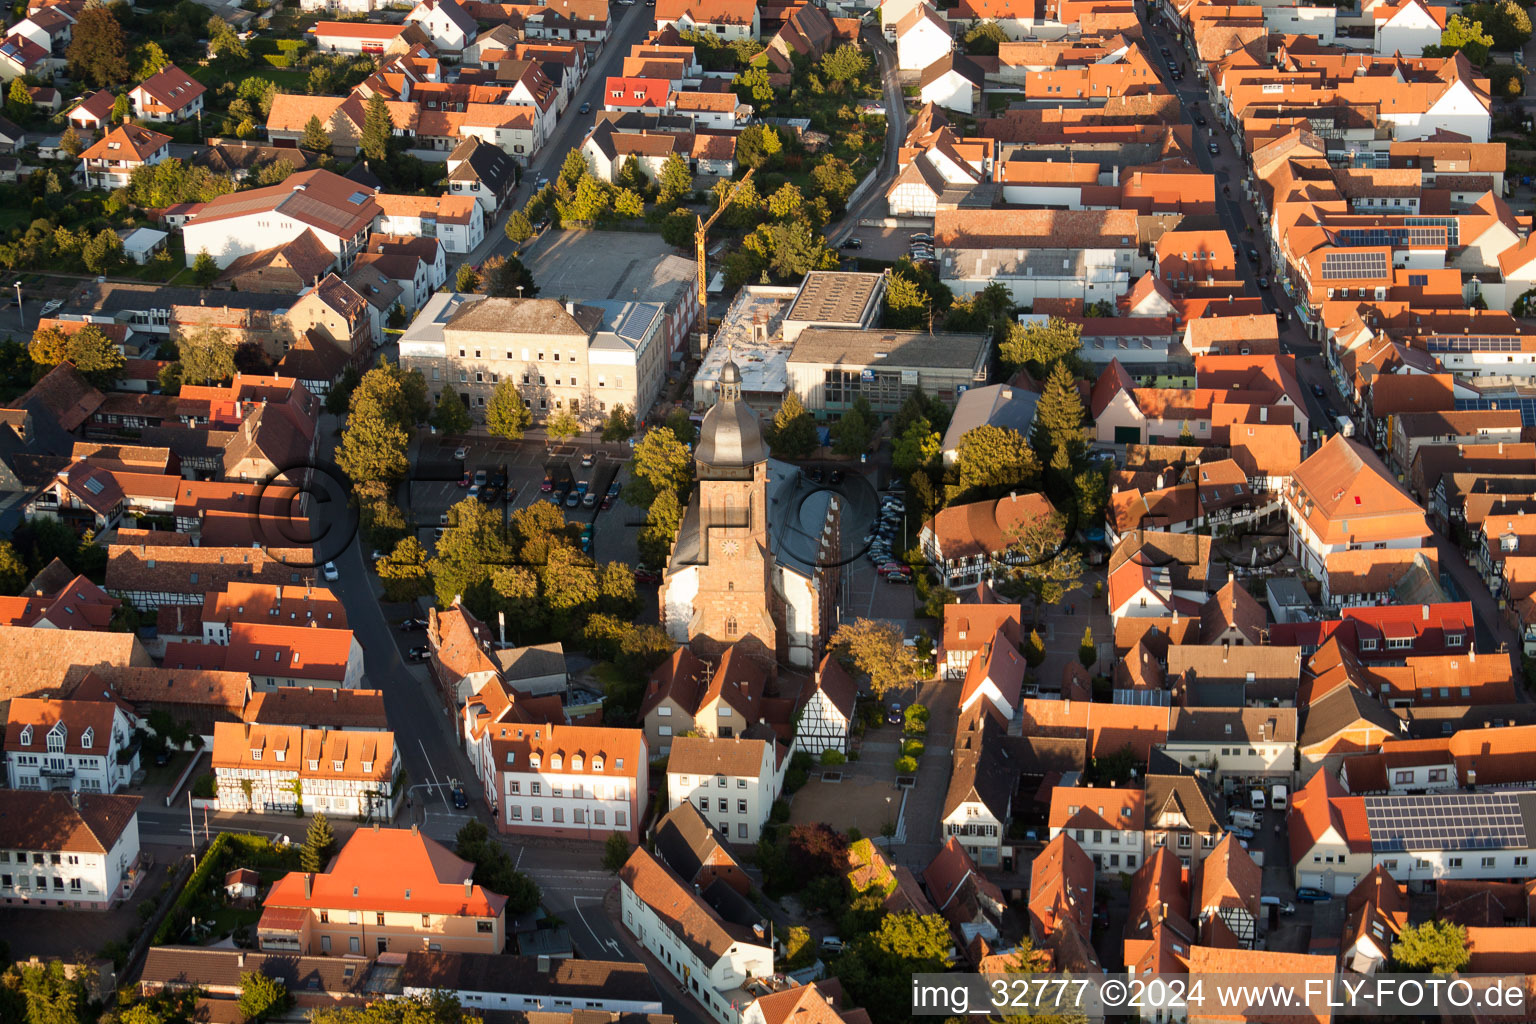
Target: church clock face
730, 548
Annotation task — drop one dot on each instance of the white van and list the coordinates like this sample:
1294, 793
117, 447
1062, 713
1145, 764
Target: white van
1247, 819
1279, 796
1256, 798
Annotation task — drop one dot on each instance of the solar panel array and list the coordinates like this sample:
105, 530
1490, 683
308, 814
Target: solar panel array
637, 320
1450, 224
1527, 407
1451, 821
1344, 266
1396, 236
1473, 343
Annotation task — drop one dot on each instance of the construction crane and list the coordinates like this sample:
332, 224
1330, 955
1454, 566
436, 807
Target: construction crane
700, 238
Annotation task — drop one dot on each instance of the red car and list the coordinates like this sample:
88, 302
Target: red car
464, 480
890, 568
647, 576
547, 486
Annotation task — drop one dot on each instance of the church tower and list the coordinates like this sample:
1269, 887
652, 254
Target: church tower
733, 604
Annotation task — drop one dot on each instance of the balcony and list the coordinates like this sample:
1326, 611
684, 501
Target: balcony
48, 772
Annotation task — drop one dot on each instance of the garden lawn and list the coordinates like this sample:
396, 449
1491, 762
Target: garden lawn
287, 79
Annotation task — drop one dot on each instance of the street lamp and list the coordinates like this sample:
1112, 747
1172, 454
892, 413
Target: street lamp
20, 313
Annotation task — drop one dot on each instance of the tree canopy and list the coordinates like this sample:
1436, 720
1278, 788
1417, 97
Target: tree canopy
874, 648
660, 463
97, 50
94, 354
993, 460
1038, 346
1437, 947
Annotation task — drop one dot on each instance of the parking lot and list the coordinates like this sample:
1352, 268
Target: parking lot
884, 244
594, 264
438, 485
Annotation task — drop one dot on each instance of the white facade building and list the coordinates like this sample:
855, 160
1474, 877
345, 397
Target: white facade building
733, 782
68, 745
566, 781
61, 852
275, 768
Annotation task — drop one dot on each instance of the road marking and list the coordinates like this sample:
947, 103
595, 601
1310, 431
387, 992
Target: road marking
430, 770
601, 943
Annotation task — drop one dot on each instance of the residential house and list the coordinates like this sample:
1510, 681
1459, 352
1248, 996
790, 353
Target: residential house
151, 577
1105, 822
567, 781
734, 781
953, 82
78, 852
268, 768
978, 803
922, 38
1153, 574
712, 941
1226, 895
994, 680
820, 1001
826, 718
93, 113
1329, 836
168, 95
969, 628
971, 903
388, 890
1375, 914
1406, 27
83, 746
455, 220
110, 161
684, 695
967, 543
275, 656
1342, 498
20, 57
689, 845
608, 148
447, 24
996, 405
1235, 745
1061, 887
483, 172
725, 19
1183, 814
1088, 254
335, 710
335, 210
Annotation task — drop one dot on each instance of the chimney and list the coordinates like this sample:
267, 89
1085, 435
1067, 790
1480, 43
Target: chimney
501, 621
570, 307
543, 964
1226, 651
309, 882
240, 959
469, 887
375, 826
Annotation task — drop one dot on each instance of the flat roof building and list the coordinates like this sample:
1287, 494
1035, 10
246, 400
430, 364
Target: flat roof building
834, 298
829, 368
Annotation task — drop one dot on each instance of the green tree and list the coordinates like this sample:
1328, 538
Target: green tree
616, 850
519, 229
876, 968
562, 425
845, 64
378, 128
834, 179
152, 60
467, 279
206, 357
1433, 947
628, 204
1034, 649
1039, 346
1460, 35
574, 168
319, 844
471, 549
906, 304
792, 434
19, 100
1058, 426
94, 354
662, 520
261, 997
675, 180
759, 146
97, 52
103, 253
993, 460
875, 648
505, 414
404, 571
984, 38
204, 269
787, 202
855, 430
677, 229
494, 869
47, 993
660, 463
71, 143
1044, 567
1087, 653
121, 108
918, 447
315, 137
436, 1008
751, 83
620, 424
13, 571
451, 416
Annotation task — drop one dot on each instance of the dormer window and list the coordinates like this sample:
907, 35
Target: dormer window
280, 755
556, 761
314, 764
533, 760
56, 738
337, 765
576, 762
367, 766
597, 763
26, 736
255, 753
87, 737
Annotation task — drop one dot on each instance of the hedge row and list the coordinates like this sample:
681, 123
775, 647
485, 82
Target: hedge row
280, 53
252, 851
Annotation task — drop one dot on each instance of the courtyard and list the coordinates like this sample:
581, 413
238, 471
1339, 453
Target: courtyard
594, 264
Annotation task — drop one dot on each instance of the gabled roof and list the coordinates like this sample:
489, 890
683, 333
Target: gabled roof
682, 910
126, 142
834, 681
1229, 878
318, 198
981, 772
49, 822
1346, 495
172, 88
688, 844
707, 12
1061, 882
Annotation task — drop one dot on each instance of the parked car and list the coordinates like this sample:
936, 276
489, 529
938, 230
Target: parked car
464, 480
1263, 283
1199, 119
606, 503
587, 460
461, 453
1307, 894
573, 499
852, 243
831, 944
489, 493
644, 575
1286, 907
1213, 147
421, 653
889, 567
585, 108
1241, 833
474, 490
330, 573
1319, 391
899, 577
589, 500
894, 713
1253, 257
923, 236
409, 625
816, 474
548, 485
459, 799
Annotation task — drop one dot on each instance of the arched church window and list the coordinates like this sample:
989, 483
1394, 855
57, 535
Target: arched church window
730, 626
